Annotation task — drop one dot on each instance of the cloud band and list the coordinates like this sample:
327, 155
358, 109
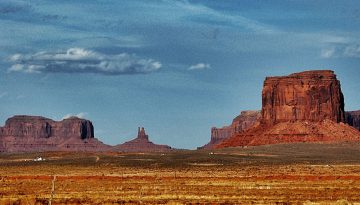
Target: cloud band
80, 60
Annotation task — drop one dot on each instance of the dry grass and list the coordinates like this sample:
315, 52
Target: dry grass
281, 174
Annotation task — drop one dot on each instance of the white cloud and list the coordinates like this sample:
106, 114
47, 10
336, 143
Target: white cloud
79, 115
200, 66
80, 60
328, 52
347, 51
352, 51
333, 39
235, 20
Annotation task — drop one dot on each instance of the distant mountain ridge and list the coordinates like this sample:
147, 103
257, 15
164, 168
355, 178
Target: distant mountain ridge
23, 133
301, 107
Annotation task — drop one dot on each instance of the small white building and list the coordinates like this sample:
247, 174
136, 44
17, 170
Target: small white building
38, 159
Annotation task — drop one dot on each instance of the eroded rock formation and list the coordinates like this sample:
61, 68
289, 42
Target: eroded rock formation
141, 144
353, 118
35, 133
310, 95
40, 127
242, 122
290, 132
301, 107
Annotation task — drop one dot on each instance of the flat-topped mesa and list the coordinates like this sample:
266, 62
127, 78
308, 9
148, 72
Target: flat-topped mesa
75, 127
23, 133
305, 96
41, 127
301, 107
322, 74
27, 126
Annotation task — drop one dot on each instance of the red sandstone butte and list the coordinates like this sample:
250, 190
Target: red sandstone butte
309, 95
141, 144
241, 123
23, 133
301, 107
353, 118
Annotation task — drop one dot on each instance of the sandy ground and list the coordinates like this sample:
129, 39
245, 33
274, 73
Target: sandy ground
276, 174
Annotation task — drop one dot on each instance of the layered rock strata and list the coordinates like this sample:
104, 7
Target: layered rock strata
241, 123
310, 95
34, 133
301, 107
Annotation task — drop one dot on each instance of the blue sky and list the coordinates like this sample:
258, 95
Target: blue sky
175, 67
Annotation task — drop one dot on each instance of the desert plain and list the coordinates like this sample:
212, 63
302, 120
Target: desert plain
300, 173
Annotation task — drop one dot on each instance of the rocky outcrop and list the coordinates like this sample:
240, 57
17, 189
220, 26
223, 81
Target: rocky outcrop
310, 95
40, 127
245, 120
23, 133
141, 144
353, 118
301, 107
242, 122
35, 133
290, 132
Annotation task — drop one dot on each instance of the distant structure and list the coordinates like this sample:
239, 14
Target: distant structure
241, 123
23, 133
141, 144
301, 107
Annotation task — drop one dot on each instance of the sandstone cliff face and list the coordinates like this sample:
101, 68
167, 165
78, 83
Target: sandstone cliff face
141, 144
74, 127
40, 127
35, 133
242, 122
353, 118
311, 95
245, 120
301, 107
27, 126
290, 132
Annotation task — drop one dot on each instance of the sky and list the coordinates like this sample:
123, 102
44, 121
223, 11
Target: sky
176, 68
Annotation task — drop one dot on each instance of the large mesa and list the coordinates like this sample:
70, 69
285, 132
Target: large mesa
301, 107
310, 95
23, 133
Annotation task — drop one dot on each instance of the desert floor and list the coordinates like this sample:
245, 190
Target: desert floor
276, 174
